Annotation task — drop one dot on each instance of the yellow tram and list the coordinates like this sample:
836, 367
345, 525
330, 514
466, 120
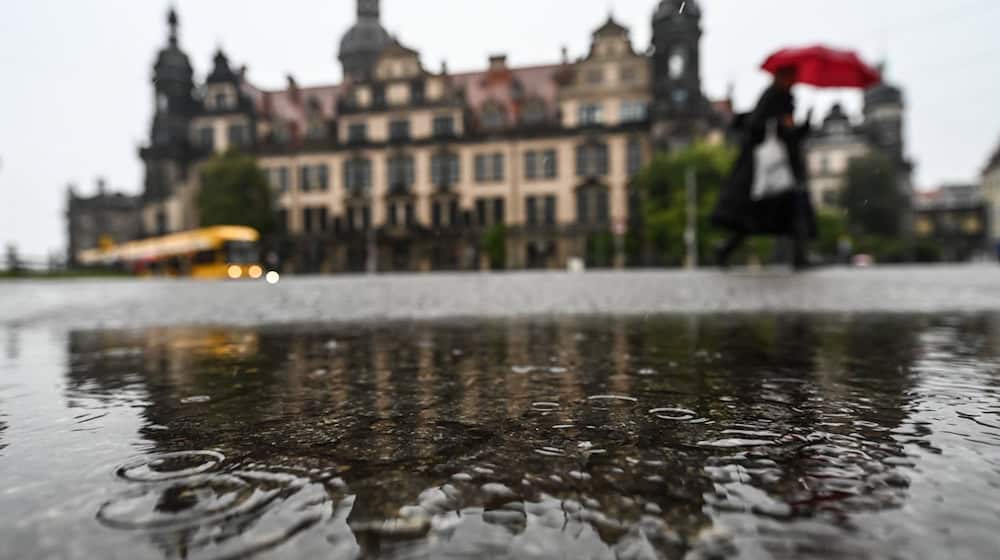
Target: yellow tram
213, 252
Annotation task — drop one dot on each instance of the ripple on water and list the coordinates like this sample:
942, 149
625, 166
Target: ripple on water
182, 503
731, 443
678, 414
544, 406
169, 466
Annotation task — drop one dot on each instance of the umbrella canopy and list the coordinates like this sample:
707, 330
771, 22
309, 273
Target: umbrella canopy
824, 67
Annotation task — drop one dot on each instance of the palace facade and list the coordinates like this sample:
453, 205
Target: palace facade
402, 168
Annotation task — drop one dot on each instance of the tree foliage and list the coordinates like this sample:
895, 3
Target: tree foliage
872, 197
664, 199
235, 191
494, 246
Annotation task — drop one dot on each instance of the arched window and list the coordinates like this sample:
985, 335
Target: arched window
592, 159
358, 175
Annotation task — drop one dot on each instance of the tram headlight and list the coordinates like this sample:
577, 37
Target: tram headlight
234, 271
255, 272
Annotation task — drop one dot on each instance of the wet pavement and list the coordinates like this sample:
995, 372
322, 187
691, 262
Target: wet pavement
128, 303
795, 435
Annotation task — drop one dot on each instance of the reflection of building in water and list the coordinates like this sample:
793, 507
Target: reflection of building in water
395, 410
421, 163
12, 343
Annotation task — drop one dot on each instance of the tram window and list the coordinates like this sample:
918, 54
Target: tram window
241, 252
204, 257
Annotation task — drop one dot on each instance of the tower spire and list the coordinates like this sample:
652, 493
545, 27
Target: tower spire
368, 9
172, 22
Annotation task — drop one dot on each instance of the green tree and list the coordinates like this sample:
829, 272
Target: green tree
872, 197
235, 191
664, 199
494, 244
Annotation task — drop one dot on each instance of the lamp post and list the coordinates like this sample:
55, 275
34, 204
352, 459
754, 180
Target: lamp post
691, 232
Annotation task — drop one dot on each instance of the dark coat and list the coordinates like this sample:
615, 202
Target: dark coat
775, 215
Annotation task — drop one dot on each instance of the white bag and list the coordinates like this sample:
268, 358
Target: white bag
772, 172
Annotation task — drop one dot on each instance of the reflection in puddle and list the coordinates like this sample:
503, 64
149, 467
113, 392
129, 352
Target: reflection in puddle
664, 437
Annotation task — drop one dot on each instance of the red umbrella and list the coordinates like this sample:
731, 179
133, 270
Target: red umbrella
824, 67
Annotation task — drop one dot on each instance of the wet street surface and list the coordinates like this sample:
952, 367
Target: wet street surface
664, 436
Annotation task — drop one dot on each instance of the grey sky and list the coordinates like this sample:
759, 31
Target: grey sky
77, 100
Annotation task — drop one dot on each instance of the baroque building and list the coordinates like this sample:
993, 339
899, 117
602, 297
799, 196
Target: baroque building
403, 167
838, 140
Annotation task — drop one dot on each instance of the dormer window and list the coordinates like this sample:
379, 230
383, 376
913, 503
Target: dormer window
221, 102
533, 112
493, 117
595, 76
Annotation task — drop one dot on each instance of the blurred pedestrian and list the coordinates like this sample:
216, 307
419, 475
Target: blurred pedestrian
786, 211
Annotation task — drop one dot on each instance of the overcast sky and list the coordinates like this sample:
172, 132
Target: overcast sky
76, 100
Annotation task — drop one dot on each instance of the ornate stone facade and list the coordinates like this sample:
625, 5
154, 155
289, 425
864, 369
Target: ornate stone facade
401, 167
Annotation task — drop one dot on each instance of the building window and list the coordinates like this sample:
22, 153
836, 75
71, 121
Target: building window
359, 217
540, 210
357, 133
540, 164
550, 211
316, 130
633, 111
592, 205
493, 117
378, 96
238, 135
281, 218
444, 170
592, 160
444, 213
399, 130
595, 76
278, 178
591, 114
489, 167
633, 156
206, 138
417, 90
315, 220
444, 127
629, 74
401, 175
489, 211
221, 101
402, 213
533, 112
313, 178
358, 175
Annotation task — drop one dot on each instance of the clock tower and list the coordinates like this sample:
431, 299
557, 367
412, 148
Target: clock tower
679, 106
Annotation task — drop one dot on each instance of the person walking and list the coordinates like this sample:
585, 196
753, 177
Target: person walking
787, 213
